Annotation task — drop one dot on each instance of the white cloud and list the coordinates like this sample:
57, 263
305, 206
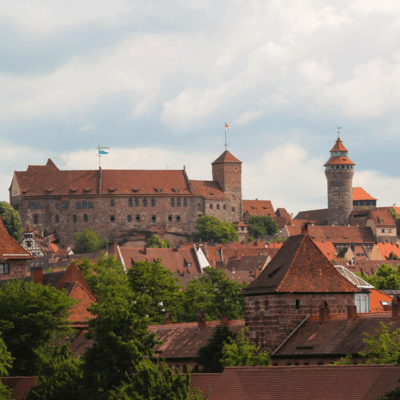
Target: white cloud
89, 127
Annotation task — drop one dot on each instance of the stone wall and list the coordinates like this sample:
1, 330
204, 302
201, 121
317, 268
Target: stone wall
18, 269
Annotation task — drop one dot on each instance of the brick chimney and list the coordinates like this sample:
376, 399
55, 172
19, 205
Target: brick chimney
112, 248
395, 307
202, 319
351, 313
323, 312
224, 320
304, 228
168, 318
37, 274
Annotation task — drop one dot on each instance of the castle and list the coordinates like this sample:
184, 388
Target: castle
117, 203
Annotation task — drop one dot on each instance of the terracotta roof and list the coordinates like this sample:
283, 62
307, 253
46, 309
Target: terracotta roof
300, 267
342, 234
339, 146
226, 156
360, 194
184, 340
328, 249
319, 216
258, 207
29, 229
204, 382
79, 343
281, 212
386, 248
376, 297
20, 385
339, 161
247, 263
356, 382
10, 249
382, 218
208, 189
368, 267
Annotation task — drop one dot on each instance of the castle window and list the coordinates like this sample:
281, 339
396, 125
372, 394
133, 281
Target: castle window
112, 203
211, 206
297, 304
217, 206
178, 218
144, 202
170, 218
4, 269
199, 205
57, 218
266, 304
89, 204
153, 218
78, 205
35, 219
57, 206
74, 218
85, 218
153, 202
129, 218
84, 204
130, 202
172, 202
233, 209
185, 202
138, 218
136, 202
65, 204
112, 218
256, 305
224, 206
178, 202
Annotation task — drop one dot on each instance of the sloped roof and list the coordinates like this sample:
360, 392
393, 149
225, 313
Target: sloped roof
282, 212
328, 249
382, 218
339, 161
360, 194
258, 207
208, 189
386, 248
20, 385
225, 157
368, 267
339, 146
10, 249
319, 216
376, 297
300, 267
342, 234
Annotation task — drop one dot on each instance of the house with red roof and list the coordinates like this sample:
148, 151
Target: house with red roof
260, 208
35, 243
362, 199
383, 225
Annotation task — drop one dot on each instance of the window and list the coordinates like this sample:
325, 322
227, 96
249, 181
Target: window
199, 205
129, 218
233, 209
35, 219
4, 269
84, 204
170, 218
297, 304
266, 304
78, 205
136, 202
65, 204
57, 218
217, 206
29, 244
57, 206
185, 202
74, 218
138, 218
130, 202
112, 203
85, 218
172, 203
89, 204
16, 207
256, 305
178, 202
153, 202
178, 218
224, 206
144, 202
35, 205
153, 218
211, 206
112, 218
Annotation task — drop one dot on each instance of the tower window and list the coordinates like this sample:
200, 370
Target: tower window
211, 206
178, 218
89, 204
85, 218
129, 218
170, 218
185, 202
57, 218
217, 206
112, 203
130, 202
138, 218
136, 202
172, 203
35, 219
266, 304
78, 205
112, 218
199, 205
144, 202
233, 209
178, 202
224, 206
297, 304
153, 202
153, 218
57, 206
74, 218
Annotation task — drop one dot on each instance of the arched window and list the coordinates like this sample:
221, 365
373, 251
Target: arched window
57, 219
211, 206
136, 202
144, 202
85, 218
185, 202
129, 218
35, 219
74, 218
84, 204
138, 218
130, 203
217, 206
178, 202
224, 206
112, 203
78, 205
153, 202
233, 209
172, 203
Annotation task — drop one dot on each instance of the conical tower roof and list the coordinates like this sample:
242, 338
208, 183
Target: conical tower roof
225, 157
339, 146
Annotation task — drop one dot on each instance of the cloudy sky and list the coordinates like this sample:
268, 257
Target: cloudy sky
156, 80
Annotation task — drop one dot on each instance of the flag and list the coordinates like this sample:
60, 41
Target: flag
227, 127
103, 152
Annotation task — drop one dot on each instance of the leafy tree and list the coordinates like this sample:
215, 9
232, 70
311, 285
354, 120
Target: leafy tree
211, 228
158, 288
394, 213
393, 256
240, 351
11, 220
262, 226
5, 364
30, 316
156, 242
209, 356
88, 241
387, 277
216, 294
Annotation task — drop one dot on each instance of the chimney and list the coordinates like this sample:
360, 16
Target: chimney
202, 319
224, 320
395, 307
351, 313
112, 248
168, 319
37, 274
323, 312
256, 272
304, 228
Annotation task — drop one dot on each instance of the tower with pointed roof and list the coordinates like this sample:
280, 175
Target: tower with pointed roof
339, 171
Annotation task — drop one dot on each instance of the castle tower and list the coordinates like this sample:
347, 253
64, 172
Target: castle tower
339, 173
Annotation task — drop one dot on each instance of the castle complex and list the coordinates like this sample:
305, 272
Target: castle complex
117, 203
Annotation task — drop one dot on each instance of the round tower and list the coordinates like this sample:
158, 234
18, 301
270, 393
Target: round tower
339, 171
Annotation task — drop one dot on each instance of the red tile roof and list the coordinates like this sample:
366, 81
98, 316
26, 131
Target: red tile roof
300, 267
328, 249
226, 156
375, 299
386, 248
258, 207
382, 218
20, 385
342, 234
339, 161
360, 194
10, 249
208, 189
339, 146
368, 267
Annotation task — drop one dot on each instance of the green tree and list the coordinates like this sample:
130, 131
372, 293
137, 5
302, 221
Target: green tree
240, 351
210, 355
211, 228
262, 226
11, 220
216, 294
156, 242
394, 213
387, 277
88, 241
5, 365
30, 316
158, 289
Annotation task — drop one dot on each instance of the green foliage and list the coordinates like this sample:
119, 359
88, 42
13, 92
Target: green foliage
239, 352
365, 208
30, 316
216, 294
387, 277
394, 213
347, 360
278, 239
262, 226
250, 239
88, 241
5, 365
156, 242
211, 228
158, 288
392, 395
393, 256
11, 220
209, 356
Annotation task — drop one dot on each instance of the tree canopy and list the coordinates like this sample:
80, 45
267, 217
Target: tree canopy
11, 220
5, 365
262, 226
210, 228
88, 241
387, 277
156, 242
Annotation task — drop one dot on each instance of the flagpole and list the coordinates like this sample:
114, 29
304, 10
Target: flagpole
226, 146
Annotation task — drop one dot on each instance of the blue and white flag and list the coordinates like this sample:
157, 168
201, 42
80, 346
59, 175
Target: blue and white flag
103, 152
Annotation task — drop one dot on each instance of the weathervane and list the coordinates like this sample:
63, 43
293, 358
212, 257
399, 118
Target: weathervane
101, 151
338, 132
226, 129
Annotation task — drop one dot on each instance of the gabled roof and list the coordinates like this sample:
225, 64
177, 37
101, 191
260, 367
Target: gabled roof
342, 234
207, 189
258, 207
386, 248
382, 218
360, 194
300, 267
339, 146
339, 161
225, 157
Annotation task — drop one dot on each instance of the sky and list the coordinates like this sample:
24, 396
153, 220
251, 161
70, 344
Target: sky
155, 81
